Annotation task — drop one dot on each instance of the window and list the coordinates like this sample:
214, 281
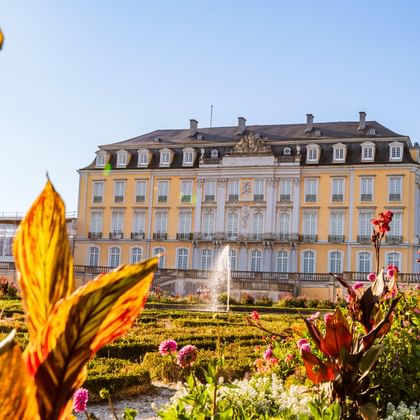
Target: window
139, 219
165, 158
209, 190
366, 189
285, 187
312, 153
365, 226
141, 191
122, 159
160, 252
117, 224
364, 262
186, 191
214, 154
339, 153
394, 236
162, 191
393, 258
232, 259
95, 231
336, 233
93, 256
282, 262
395, 151
119, 191
287, 151
98, 191
7, 233
208, 225
143, 158
114, 256
161, 225
394, 188
232, 225
311, 190
335, 263
283, 226
233, 189
337, 190
258, 189
182, 258
184, 225
308, 261
257, 225
368, 152
188, 157
136, 255
100, 159
206, 259
309, 228
256, 260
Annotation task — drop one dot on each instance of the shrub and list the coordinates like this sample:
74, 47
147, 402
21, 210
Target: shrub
264, 301
247, 299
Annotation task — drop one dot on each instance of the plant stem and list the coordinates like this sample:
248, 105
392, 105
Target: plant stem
111, 407
86, 414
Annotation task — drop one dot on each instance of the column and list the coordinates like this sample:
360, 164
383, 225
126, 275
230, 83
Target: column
295, 224
220, 212
196, 257
243, 259
271, 206
267, 252
199, 200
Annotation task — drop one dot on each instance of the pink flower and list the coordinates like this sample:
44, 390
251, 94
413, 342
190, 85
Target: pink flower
391, 270
187, 356
268, 354
302, 341
417, 311
328, 317
303, 345
167, 347
80, 399
357, 285
371, 276
288, 358
314, 316
255, 316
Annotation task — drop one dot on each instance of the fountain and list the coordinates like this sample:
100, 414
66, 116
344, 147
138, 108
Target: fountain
219, 280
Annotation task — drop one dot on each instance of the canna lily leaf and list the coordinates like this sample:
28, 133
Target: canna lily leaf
369, 359
17, 391
316, 369
78, 326
368, 411
337, 335
369, 298
43, 258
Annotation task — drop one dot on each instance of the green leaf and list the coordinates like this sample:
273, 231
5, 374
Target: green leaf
369, 359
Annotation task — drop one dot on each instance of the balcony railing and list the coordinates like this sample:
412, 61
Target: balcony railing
209, 198
285, 198
309, 238
393, 239
184, 236
366, 197
160, 235
364, 239
118, 198
256, 236
233, 197
283, 237
97, 198
337, 198
186, 198
116, 234
95, 235
137, 235
232, 236
207, 236
336, 238
140, 198
394, 197
162, 199
258, 197
310, 198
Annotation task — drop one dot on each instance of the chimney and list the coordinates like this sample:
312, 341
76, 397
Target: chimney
241, 124
362, 121
193, 127
309, 123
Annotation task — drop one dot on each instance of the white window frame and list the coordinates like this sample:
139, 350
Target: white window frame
184, 222
93, 257
162, 191
364, 227
391, 260
119, 191
136, 254
304, 260
337, 218
96, 221
117, 221
311, 189
122, 159
162, 258
161, 222
338, 188
364, 182
396, 150
282, 263
339, 153
368, 152
112, 256
182, 258
188, 157
100, 160
255, 261
310, 222
232, 225
186, 191
233, 259
285, 190
98, 188
395, 187
209, 190
208, 225
332, 263
233, 190
367, 269
139, 222
206, 259
312, 153
141, 190
259, 185
165, 158
143, 158
257, 225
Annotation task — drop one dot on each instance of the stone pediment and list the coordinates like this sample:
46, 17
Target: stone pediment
251, 144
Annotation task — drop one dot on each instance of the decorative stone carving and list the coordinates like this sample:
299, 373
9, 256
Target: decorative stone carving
200, 182
273, 181
222, 181
251, 144
245, 216
296, 180
246, 187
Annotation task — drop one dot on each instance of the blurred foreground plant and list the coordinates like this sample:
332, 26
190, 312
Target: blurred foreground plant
66, 326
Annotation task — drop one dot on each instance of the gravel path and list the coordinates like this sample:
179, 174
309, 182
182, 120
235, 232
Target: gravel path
159, 394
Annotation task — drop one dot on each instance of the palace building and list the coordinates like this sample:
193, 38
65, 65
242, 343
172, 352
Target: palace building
294, 199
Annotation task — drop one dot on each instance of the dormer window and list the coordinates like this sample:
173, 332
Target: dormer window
287, 151
312, 153
165, 157
144, 156
122, 158
188, 157
395, 151
339, 153
100, 159
368, 152
214, 154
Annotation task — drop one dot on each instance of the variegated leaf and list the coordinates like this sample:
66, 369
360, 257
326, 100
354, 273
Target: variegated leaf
79, 325
43, 258
17, 391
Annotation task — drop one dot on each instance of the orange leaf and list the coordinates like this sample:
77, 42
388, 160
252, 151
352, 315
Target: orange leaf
337, 335
317, 370
43, 258
17, 391
79, 325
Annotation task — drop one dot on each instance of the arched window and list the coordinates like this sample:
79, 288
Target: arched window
256, 264
136, 255
182, 258
114, 256
232, 225
161, 252
282, 262
208, 225
393, 258
206, 259
335, 262
283, 227
93, 256
308, 261
364, 262
257, 225
232, 259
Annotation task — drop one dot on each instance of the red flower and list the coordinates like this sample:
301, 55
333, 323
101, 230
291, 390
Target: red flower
317, 370
255, 316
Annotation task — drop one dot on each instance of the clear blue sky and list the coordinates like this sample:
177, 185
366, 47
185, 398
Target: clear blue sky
77, 74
